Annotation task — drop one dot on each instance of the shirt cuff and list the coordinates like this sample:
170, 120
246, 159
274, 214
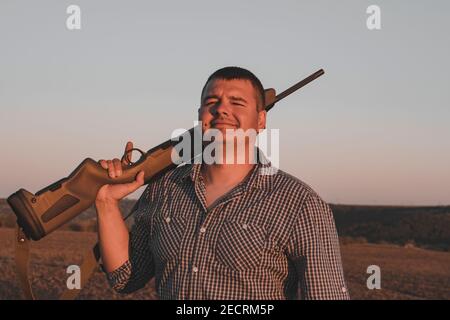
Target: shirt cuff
118, 278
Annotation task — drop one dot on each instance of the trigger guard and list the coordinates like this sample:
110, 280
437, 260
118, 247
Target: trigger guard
129, 162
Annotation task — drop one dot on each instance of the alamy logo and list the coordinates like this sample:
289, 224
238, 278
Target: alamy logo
74, 280
234, 146
374, 280
374, 20
73, 21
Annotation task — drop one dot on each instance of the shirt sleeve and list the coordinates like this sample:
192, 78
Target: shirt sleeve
314, 249
139, 269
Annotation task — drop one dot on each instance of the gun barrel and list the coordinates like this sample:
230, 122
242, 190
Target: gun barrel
296, 86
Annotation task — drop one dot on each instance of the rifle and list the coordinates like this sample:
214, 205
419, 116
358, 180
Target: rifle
41, 213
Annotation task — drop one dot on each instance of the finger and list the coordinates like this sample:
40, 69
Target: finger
137, 183
140, 178
128, 152
111, 170
117, 167
104, 164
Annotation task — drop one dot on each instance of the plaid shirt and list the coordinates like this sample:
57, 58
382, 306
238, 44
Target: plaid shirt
271, 237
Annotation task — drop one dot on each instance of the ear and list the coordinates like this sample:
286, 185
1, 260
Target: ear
262, 120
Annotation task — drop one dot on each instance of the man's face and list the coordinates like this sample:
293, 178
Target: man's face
230, 104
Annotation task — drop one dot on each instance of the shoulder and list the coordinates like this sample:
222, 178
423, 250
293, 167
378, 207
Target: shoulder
295, 189
282, 179
177, 175
166, 179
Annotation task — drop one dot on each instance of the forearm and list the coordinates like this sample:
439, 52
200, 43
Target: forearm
113, 235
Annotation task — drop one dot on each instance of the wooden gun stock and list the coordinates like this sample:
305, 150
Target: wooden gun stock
41, 213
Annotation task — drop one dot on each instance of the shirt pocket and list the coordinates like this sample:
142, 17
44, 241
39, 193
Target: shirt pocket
167, 236
240, 245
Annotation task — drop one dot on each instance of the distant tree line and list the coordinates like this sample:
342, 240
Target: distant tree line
427, 227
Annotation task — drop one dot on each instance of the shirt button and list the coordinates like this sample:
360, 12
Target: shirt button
195, 269
202, 229
244, 226
168, 219
344, 289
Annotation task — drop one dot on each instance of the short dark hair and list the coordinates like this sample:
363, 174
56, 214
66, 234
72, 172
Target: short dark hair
233, 73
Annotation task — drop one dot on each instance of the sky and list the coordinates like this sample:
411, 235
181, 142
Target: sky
373, 130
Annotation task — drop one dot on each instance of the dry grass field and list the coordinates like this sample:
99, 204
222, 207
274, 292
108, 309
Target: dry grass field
406, 273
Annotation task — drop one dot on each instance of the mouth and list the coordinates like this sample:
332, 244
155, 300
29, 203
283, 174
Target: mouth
222, 124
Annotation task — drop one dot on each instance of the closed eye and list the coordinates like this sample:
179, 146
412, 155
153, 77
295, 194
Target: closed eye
210, 103
239, 101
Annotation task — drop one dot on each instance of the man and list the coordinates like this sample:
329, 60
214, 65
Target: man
222, 230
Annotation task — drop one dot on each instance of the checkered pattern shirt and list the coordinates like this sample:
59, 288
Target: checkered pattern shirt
270, 237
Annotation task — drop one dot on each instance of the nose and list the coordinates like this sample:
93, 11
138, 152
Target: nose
221, 108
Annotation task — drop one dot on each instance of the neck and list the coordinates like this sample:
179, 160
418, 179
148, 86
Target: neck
231, 171
226, 173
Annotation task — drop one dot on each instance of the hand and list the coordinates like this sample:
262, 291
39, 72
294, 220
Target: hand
115, 192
